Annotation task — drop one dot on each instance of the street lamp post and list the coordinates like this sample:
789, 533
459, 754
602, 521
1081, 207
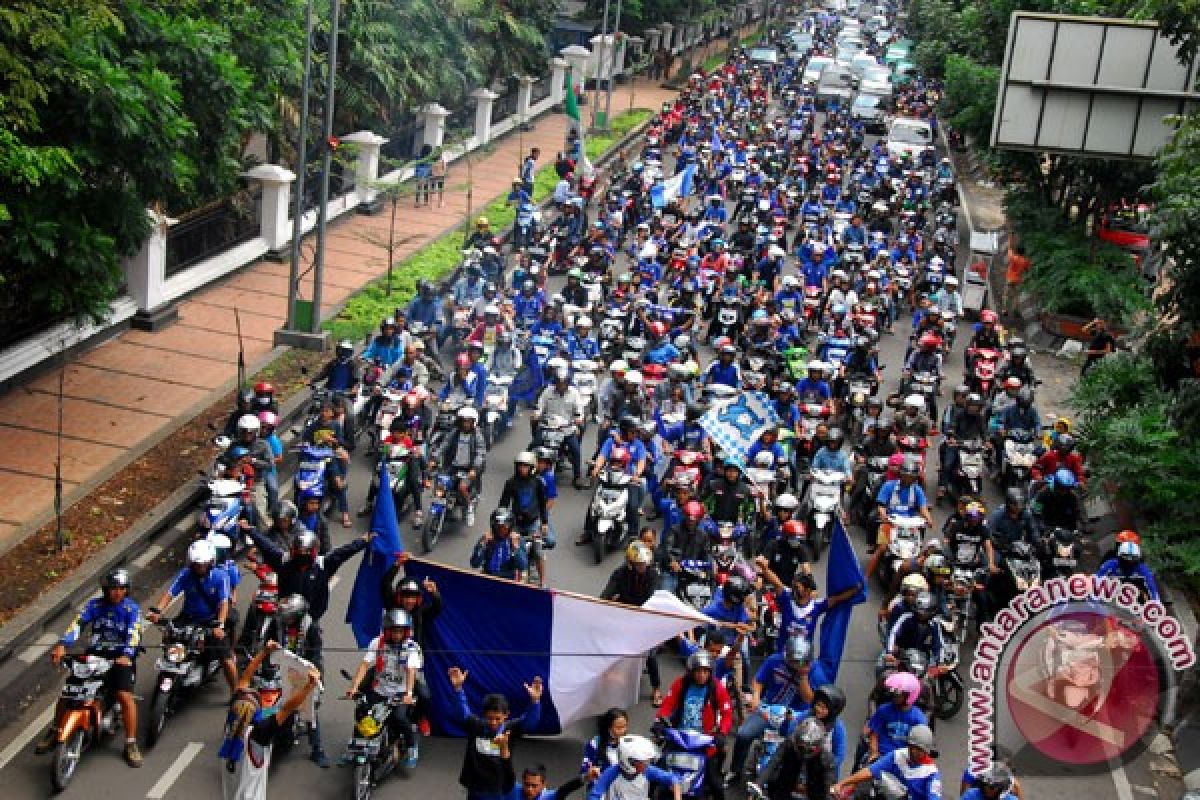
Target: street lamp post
611, 49
326, 164
596, 77
302, 157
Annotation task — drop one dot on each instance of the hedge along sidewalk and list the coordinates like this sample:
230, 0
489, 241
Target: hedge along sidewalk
438, 259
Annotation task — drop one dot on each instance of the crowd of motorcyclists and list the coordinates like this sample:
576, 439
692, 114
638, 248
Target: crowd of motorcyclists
801, 248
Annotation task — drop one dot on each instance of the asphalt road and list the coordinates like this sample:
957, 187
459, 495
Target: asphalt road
184, 764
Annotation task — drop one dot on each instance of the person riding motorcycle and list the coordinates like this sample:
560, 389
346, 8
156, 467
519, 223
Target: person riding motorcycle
728, 496
1017, 366
698, 703
395, 658
116, 631
1128, 567
631, 777
969, 424
917, 630
465, 450
914, 766
1061, 455
996, 783
499, 551
986, 336
1020, 416
802, 766
914, 421
724, 370
901, 497
560, 399
1057, 504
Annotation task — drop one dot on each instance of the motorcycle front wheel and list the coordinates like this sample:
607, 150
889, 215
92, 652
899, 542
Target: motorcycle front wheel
432, 531
156, 721
66, 759
362, 781
949, 699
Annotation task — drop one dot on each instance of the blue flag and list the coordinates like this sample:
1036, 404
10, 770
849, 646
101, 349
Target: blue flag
364, 612
717, 145
528, 382
842, 572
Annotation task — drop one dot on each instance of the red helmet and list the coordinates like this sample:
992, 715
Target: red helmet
658, 329
619, 456
264, 389
987, 316
895, 461
793, 528
928, 340
462, 360
412, 400
693, 510
1128, 535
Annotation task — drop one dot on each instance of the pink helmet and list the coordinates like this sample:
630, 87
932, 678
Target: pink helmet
268, 419
895, 460
904, 682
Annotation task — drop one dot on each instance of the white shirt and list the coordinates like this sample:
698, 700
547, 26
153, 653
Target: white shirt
391, 663
249, 780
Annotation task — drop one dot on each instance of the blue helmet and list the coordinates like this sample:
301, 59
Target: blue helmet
1065, 478
759, 314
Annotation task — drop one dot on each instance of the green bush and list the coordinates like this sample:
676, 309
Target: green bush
439, 258
1139, 445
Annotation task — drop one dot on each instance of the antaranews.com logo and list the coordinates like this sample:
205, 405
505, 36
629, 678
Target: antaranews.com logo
1084, 666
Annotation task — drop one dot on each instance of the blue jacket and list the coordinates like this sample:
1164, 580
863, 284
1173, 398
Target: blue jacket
426, 311
729, 375
114, 627
923, 781
1113, 568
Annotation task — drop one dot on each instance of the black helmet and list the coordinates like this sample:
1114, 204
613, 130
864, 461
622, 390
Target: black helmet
293, 608
998, 778
695, 411
409, 586
1025, 397
833, 698
1014, 497
809, 735
628, 423
502, 518
115, 579
736, 589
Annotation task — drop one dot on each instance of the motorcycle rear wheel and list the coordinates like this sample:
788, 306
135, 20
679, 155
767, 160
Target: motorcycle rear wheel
66, 759
949, 699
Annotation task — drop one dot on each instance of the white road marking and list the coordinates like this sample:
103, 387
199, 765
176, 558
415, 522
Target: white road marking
1121, 781
334, 581
35, 651
152, 552
26, 736
160, 789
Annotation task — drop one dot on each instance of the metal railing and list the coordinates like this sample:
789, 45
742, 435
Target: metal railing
215, 228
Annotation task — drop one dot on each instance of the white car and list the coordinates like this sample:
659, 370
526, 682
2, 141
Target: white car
909, 136
816, 65
862, 63
876, 80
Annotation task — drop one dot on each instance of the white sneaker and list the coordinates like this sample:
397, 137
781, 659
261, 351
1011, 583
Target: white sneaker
470, 517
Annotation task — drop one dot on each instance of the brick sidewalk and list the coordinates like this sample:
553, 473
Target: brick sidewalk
130, 391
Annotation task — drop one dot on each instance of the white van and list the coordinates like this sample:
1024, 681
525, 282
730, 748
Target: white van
909, 136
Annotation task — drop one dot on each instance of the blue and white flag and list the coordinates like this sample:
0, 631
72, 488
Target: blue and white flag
736, 424
842, 572
588, 652
364, 612
664, 193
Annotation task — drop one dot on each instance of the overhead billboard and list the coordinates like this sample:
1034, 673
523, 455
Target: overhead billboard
1089, 86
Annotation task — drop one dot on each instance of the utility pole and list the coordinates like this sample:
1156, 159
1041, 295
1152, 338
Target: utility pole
302, 157
612, 68
596, 77
326, 164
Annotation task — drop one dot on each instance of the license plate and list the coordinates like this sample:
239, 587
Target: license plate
772, 737
1064, 562
167, 666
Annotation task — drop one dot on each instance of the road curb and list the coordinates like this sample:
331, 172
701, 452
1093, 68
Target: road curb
21, 631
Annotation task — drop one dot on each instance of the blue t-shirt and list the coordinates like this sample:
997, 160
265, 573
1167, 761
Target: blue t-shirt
692, 718
550, 482
799, 620
202, 599
718, 611
892, 725
900, 501
780, 685
923, 781
636, 450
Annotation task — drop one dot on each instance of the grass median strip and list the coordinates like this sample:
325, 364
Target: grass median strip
438, 259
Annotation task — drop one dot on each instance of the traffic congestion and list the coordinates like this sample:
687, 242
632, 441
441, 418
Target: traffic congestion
734, 364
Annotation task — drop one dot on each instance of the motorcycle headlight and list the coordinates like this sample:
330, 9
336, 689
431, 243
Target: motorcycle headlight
176, 653
367, 727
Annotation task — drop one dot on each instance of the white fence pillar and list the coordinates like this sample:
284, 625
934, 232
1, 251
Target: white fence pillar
146, 274
667, 30
275, 225
366, 169
484, 98
558, 79
524, 99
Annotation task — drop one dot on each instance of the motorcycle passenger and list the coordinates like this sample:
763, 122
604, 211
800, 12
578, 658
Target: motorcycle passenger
464, 451
561, 399
631, 776
728, 496
696, 702
813, 388
499, 551
632, 584
464, 383
802, 766
729, 604
969, 424
785, 678
917, 630
902, 497
827, 705
116, 632
724, 370
395, 658
296, 631
311, 519
525, 495
1128, 567
1057, 505
206, 595
913, 765
684, 541
601, 751
1018, 366
997, 783
1061, 455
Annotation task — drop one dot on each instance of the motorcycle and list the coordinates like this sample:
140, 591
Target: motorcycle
554, 431
695, 583
777, 716
606, 521
370, 749
858, 391
685, 757
88, 713
391, 406
824, 506
967, 479
948, 690
903, 545
949, 328
612, 334
965, 582
227, 499
1022, 564
263, 608
495, 403
184, 666
446, 498
863, 507
1060, 553
983, 371
585, 379
1020, 454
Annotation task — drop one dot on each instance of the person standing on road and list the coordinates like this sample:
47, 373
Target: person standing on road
632, 584
482, 770
1014, 275
115, 620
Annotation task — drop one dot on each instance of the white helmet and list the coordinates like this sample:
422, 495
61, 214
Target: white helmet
201, 552
634, 378
635, 749
951, 281
248, 422
555, 364
787, 501
914, 401
764, 459
937, 262
789, 281
815, 366
468, 413
619, 366
775, 251
914, 582
583, 322
492, 310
